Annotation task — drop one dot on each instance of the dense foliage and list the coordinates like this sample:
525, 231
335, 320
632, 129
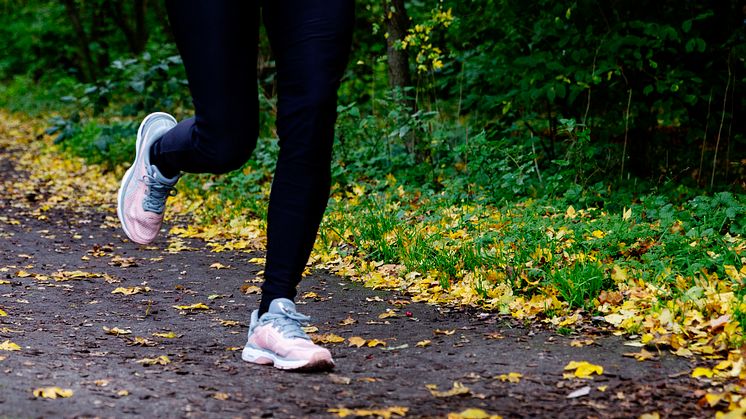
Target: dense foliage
523, 98
517, 116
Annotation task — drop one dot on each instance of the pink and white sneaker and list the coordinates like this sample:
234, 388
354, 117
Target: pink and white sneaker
277, 338
144, 190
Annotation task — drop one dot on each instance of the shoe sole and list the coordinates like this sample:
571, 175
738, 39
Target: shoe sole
262, 357
127, 178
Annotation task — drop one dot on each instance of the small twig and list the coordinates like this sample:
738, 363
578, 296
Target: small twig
536, 163
704, 139
626, 132
720, 129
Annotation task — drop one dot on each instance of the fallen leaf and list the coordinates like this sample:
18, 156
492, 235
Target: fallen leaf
116, 331
218, 265
250, 289
338, 379
472, 413
9, 346
386, 314
356, 341
423, 343
141, 341
220, 396
713, 399
444, 332
583, 391
512, 377
229, 323
130, 290
643, 355
167, 335
702, 372
3, 313
582, 369
579, 343
160, 360
123, 393
310, 329
310, 294
195, 306
385, 413
458, 389
348, 321
52, 392
122, 262
327, 338
653, 415
375, 342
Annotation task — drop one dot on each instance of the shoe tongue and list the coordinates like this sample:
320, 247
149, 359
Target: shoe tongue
281, 305
162, 179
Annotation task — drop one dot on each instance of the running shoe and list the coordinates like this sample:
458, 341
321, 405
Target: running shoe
144, 190
277, 338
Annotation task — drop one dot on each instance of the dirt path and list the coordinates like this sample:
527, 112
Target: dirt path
58, 302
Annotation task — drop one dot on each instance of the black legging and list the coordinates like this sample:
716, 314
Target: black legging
310, 40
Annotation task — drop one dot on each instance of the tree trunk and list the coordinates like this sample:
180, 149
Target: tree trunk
84, 52
397, 23
137, 34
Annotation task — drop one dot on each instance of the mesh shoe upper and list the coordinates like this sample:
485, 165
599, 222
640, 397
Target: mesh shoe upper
144, 190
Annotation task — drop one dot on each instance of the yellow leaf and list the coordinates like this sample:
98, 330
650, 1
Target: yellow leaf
229, 323
702, 372
512, 377
738, 413
195, 306
348, 321
643, 355
310, 294
116, 331
570, 213
260, 261
52, 392
385, 413
250, 289
310, 329
3, 282
160, 360
598, 234
569, 321
423, 343
584, 369
130, 290
626, 213
123, 393
579, 343
167, 335
220, 396
653, 415
327, 338
3, 313
473, 413
356, 341
9, 346
712, 399
387, 314
444, 332
602, 388
458, 389
375, 342
218, 265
